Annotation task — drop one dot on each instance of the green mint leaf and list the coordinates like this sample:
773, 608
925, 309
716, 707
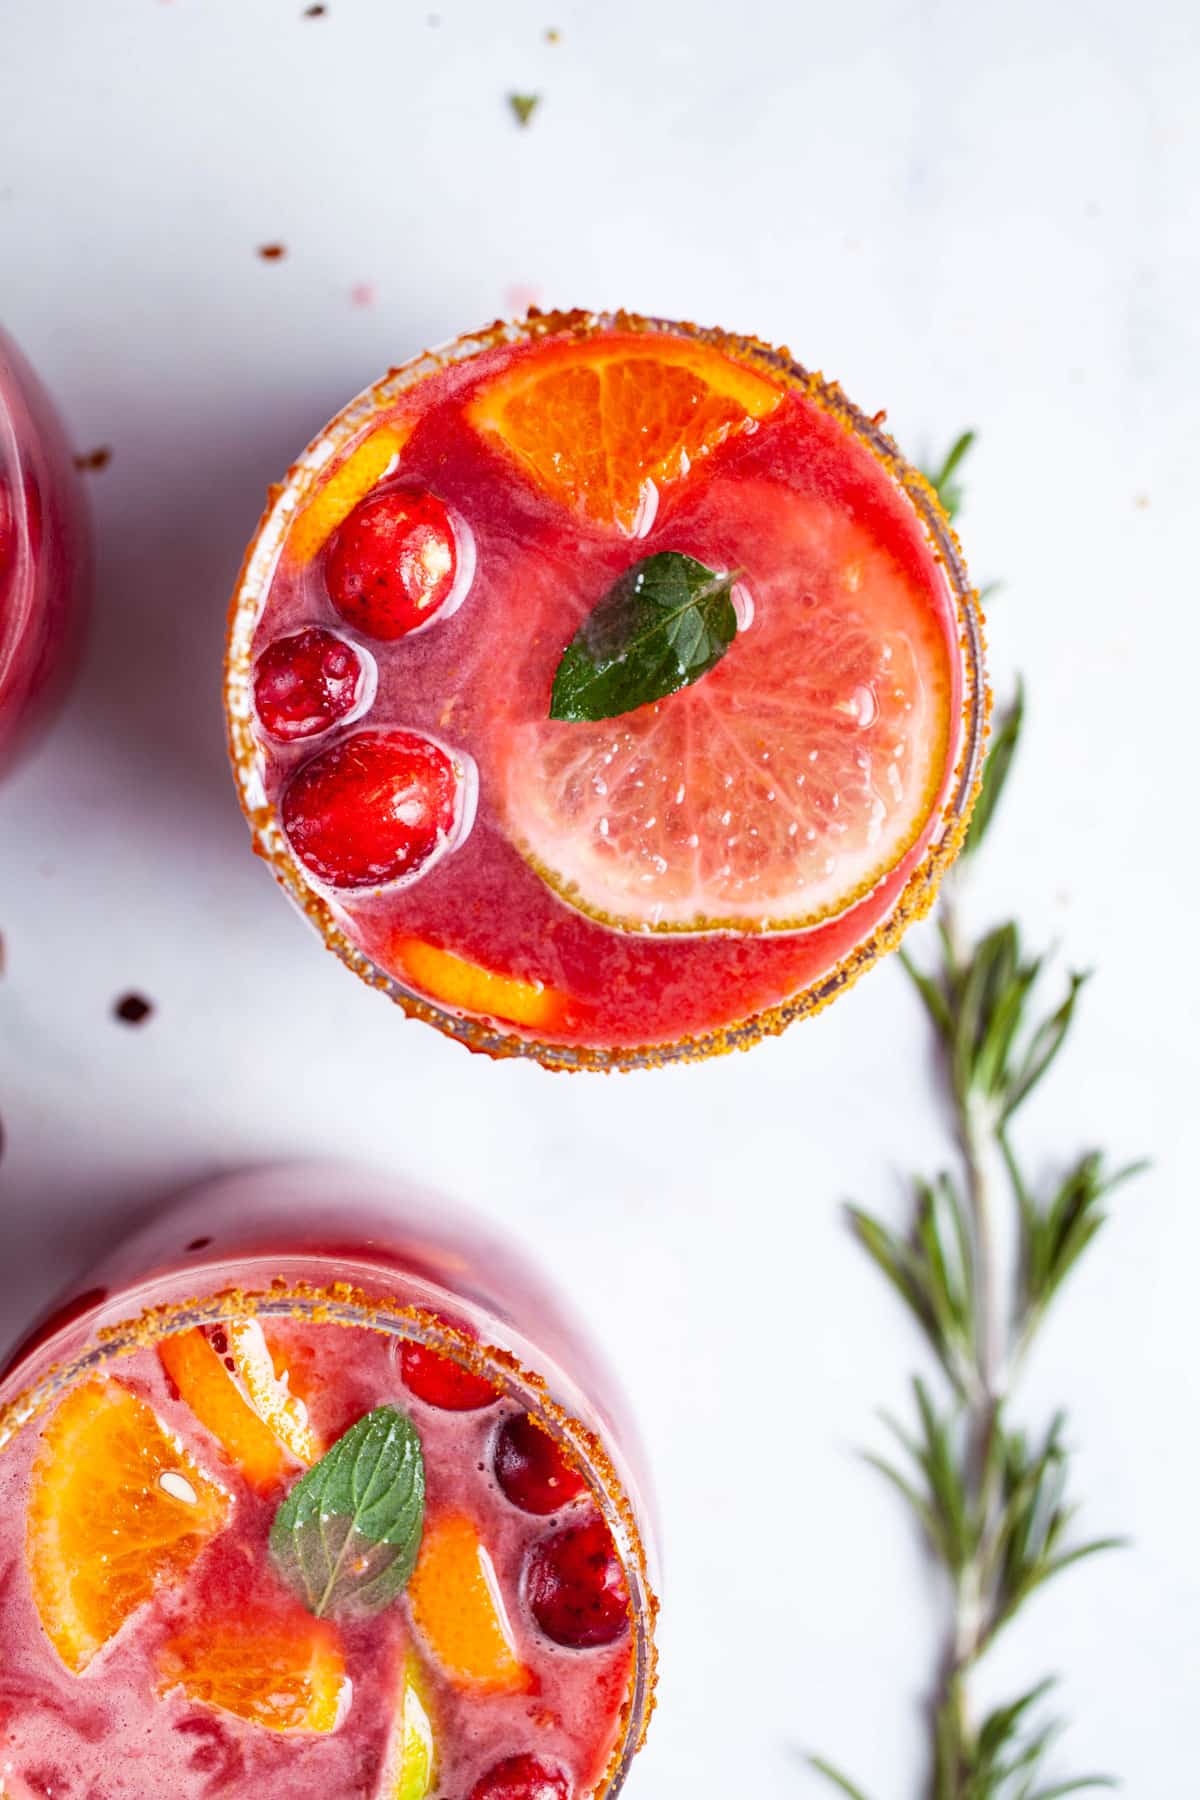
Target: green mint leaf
524, 106
346, 1538
663, 625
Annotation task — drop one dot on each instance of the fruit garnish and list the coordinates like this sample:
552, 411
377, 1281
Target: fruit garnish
346, 1538
410, 1757
522, 1778
341, 492
531, 1468
376, 808
440, 1381
781, 788
458, 1609
576, 1588
469, 987
305, 683
117, 1509
602, 424
286, 1674
393, 564
261, 1429
667, 621
244, 1343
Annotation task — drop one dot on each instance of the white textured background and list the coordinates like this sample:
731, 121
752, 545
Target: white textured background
970, 214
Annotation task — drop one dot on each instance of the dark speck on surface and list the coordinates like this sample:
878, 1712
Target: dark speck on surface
131, 1009
272, 252
94, 459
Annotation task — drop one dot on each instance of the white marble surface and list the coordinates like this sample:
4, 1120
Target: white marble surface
971, 215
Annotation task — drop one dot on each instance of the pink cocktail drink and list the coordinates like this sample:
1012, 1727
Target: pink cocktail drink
606, 690
44, 552
308, 1493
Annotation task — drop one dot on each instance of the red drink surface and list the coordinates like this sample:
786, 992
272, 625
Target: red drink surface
122, 1726
782, 501
43, 552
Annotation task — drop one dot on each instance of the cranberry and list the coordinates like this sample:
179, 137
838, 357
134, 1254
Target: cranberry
392, 563
305, 683
440, 1381
531, 1469
372, 808
576, 1586
522, 1778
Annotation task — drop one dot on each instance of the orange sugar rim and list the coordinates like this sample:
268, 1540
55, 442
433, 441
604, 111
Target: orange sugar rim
920, 890
342, 1304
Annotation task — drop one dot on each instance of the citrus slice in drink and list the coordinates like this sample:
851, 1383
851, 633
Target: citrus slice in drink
469, 987
340, 493
408, 1763
602, 424
458, 1608
117, 1509
286, 1674
782, 786
226, 1375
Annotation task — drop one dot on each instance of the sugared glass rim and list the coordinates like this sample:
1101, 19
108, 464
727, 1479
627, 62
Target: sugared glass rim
342, 1304
919, 891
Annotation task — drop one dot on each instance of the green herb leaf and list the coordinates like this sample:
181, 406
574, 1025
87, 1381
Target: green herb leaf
996, 770
840, 1781
664, 624
346, 1538
524, 106
949, 491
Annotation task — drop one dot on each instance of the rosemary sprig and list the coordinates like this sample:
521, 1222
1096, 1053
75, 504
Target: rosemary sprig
990, 1499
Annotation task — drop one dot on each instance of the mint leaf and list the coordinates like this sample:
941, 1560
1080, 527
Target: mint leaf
663, 625
346, 1538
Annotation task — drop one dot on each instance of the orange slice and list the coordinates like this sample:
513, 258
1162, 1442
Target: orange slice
341, 492
286, 1675
260, 1429
784, 785
604, 423
266, 1387
117, 1509
457, 1606
469, 987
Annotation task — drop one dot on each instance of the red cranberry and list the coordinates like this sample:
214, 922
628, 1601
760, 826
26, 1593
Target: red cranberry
522, 1778
440, 1381
372, 808
305, 683
576, 1586
531, 1469
393, 563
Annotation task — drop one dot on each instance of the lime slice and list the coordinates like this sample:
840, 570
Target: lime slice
784, 785
408, 1766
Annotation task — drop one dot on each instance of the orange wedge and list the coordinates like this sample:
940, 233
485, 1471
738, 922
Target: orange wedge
469, 987
287, 1675
341, 492
602, 424
227, 1378
117, 1508
456, 1605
